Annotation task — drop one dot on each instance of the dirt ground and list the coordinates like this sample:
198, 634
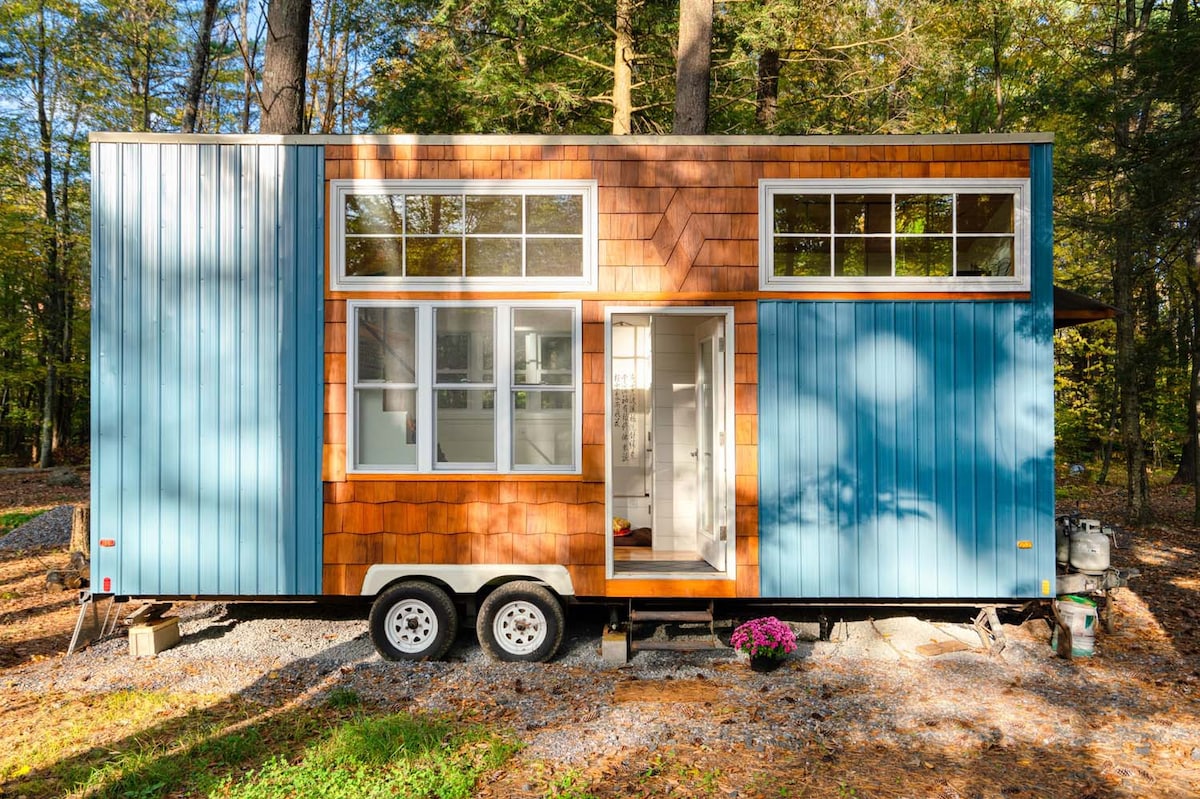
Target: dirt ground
1134, 706
35, 624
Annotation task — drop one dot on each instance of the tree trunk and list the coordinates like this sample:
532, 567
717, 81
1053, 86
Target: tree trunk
622, 95
693, 65
249, 56
200, 59
81, 540
766, 94
1137, 499
51, 337
285, 66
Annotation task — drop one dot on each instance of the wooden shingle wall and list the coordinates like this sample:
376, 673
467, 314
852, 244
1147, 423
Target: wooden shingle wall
677, 225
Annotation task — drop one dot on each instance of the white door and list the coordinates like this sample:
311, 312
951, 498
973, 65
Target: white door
711, 506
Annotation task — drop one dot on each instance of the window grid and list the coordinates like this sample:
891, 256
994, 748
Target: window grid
833, 236
959, 277
555, 269
504, 383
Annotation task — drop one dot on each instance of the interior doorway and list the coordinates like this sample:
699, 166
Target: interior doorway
670, 442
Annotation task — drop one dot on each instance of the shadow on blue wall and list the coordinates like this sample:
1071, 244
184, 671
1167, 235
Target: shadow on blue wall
906, 448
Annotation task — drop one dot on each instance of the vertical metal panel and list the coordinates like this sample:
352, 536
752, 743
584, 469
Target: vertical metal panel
913, 442
207, 368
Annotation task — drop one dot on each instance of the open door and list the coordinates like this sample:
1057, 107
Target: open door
669, 472
711, 508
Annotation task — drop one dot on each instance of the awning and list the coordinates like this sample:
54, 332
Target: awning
1072, 308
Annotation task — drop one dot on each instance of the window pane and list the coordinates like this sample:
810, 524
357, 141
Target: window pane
554, 213
989, 256
374, 257
387, 427
434, 257
858, 256
924, 213
802, 213
985, 213
387, 345
924, 256
862, 213
493, 257
543, 428
499, 214
464, 345
434, 213
554, 257
466, 426
802, 257
542, 350
374, 213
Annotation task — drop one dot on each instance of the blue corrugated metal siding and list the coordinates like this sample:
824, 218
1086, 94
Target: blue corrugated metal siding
902, 447
207, 373
907, 446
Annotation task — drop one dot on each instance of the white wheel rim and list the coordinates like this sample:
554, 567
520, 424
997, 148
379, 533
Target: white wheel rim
411, 626
519, 627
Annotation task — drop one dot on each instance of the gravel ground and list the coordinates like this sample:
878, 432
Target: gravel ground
1021, 723
49, 529
865, 691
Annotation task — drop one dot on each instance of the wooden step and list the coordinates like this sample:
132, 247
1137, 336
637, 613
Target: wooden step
675, 646
695, 616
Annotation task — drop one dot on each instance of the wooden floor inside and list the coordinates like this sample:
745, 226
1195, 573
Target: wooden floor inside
650, 553
647, 560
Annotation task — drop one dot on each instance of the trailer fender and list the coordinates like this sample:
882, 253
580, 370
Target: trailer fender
467, 579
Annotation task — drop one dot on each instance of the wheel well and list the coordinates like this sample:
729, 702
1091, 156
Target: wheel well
424, 578
492, 585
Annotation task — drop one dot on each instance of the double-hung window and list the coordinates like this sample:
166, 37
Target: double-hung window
894, 235
464, 386
473, 235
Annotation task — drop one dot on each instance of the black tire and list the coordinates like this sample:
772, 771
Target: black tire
413, 620
520, 621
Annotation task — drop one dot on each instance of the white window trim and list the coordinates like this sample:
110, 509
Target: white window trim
1019, 281
340, 189
502, 367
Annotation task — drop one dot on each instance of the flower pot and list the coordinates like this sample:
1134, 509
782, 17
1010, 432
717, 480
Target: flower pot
764, 663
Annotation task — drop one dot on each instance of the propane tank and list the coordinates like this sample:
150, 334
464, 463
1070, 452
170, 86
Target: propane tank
1090, 548
1062, 541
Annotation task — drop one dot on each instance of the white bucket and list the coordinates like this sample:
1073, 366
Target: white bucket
1079, 616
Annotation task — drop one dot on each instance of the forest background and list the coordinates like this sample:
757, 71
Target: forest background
1114, 80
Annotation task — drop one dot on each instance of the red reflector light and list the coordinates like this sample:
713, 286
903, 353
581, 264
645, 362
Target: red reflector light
108, 542
107, 583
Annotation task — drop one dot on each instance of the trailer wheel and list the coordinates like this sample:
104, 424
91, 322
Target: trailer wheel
413, 620
520, 621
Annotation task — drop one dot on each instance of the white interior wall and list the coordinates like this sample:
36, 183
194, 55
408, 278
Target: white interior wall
674, 371
631, 406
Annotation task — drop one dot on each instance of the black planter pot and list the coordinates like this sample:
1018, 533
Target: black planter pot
764, 663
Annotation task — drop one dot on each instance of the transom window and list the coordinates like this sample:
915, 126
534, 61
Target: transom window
463, 387
476, 234
884, 235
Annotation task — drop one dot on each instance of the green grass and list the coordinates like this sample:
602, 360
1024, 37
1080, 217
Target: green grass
571, 785
146, 745
11, 520
386, 756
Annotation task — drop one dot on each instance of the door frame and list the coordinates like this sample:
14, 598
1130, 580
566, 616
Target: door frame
719, 311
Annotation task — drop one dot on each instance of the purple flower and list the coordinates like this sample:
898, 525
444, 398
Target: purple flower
767, 637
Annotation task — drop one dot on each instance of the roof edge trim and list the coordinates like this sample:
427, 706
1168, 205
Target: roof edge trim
524, 139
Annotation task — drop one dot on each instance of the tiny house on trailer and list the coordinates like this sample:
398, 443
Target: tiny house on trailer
503, 373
